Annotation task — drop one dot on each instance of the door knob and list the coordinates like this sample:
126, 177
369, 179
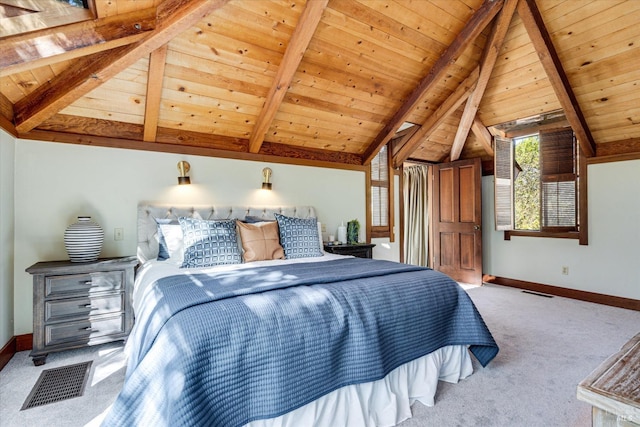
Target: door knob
476, 227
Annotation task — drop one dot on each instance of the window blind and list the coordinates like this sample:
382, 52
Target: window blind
558, 180
503, 182
380, 189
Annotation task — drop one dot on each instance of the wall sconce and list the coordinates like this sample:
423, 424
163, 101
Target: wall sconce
183, 168
266, 176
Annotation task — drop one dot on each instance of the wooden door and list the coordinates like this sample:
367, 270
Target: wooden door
457, 219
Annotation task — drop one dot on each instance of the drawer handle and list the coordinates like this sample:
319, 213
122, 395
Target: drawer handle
90, 329
88, 283
92, 307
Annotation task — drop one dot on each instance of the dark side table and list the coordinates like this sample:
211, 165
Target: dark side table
360, 250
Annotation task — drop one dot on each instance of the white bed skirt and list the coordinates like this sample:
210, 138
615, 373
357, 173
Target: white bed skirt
382, 403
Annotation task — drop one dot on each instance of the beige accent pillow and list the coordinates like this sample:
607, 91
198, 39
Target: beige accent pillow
260, 242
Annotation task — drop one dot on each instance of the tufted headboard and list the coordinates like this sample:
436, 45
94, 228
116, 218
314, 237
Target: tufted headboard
148, 212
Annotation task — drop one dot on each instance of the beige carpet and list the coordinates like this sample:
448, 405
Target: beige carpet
547, 346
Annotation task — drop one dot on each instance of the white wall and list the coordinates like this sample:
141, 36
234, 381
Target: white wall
54, 183
610, 264
7, 156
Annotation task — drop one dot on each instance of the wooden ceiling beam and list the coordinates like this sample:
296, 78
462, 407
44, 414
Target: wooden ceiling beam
480, 19
6, 114
173, 18
68, 124
298, 44
310, 154
484, 136
451, 104
157, 61
489, 58
6, 106
186, 142
401, 137
618, 148
543, 44
39, 15
48, 46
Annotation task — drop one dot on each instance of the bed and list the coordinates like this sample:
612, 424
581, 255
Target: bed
242, 319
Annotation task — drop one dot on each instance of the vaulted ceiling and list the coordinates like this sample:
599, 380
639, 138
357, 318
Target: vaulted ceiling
323, 82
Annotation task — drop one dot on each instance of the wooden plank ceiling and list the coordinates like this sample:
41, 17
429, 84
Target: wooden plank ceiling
324, 82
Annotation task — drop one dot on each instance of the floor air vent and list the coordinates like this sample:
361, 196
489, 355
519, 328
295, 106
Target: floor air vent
58, 384
538, 294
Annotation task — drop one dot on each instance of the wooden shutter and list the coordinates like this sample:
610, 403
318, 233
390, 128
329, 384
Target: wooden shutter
558, 181
503, 182
381, 193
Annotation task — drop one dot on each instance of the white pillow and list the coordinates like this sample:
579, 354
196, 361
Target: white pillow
175, 241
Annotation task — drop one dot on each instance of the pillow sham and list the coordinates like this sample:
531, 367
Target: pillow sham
209, 243
299, 237
169, 240
260, 241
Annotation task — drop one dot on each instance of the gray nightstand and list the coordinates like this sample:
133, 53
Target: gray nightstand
78, 304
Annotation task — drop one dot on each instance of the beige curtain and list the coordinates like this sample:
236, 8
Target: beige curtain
416, 218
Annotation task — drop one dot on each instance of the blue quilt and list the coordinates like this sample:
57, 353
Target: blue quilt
227, 348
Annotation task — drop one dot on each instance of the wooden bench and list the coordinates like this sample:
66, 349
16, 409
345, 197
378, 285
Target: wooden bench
613, 389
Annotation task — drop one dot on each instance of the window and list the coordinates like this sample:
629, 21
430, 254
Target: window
538, 186
526, 184
381, 195
77, 3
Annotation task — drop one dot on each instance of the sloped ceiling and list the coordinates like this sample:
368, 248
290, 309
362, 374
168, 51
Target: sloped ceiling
324, 82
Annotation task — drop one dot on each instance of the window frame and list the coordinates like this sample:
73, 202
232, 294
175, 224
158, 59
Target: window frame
581, 205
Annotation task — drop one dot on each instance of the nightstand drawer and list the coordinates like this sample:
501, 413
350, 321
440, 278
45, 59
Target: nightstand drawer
83, 284
83, 330
82, 307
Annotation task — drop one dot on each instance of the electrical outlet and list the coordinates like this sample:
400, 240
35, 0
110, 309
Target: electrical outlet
118, 234
565, 270
324, 227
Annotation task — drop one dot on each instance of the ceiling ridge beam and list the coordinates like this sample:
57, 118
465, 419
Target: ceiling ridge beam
534, 24
480, 19
174, 17
157, 61
489, 58
298, 44
52, 45
451, 104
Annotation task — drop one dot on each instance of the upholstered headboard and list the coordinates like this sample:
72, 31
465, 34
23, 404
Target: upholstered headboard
148, 212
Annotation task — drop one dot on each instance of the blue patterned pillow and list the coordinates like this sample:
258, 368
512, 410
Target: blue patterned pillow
208, 243
299, 237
